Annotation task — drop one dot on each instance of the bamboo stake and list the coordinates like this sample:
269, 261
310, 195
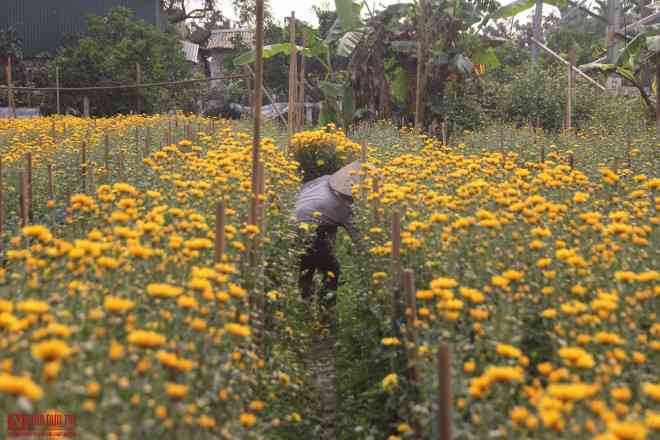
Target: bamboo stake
444, 392
269, 96
258, 85
575, 69
219, 231
569, 89
28, 171
83, 167
301, 84
292, 76
411, 336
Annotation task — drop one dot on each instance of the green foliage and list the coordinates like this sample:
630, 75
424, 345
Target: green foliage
117, 43
538, 94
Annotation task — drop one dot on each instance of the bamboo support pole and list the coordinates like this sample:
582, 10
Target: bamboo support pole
270, 99
258, 85
292, 76
411, 342
83, 166
28, 172
301, 86
570, 89
444, 392
575, 69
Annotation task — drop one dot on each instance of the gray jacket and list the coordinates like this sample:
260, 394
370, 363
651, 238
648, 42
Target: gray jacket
316, 196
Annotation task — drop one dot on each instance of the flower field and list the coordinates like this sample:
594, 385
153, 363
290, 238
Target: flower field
534, 258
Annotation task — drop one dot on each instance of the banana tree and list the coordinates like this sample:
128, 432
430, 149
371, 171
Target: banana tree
643, 49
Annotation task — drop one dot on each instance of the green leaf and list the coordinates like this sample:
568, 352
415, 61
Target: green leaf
328, 113
270, 51
488, 57
629, 55
653, 44
513, 9
601, 67
348, 14
400, 86
331, 89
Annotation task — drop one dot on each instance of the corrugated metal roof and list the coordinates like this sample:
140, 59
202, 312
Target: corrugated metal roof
224, 38
190, 51
44, 25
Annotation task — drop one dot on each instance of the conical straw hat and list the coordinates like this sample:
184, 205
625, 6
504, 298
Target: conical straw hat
343, 180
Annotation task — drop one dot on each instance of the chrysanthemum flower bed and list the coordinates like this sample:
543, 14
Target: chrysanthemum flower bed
543, 279
116, 312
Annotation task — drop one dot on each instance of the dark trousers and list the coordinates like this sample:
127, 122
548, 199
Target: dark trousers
320, 256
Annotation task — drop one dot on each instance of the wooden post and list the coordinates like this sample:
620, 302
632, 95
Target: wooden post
569, 89
301, 83
411, 300
86, 106
444, 132
57, 87
28, 173
542, 156
10, 89
138, 77
571, 161
292, 76
444, 392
